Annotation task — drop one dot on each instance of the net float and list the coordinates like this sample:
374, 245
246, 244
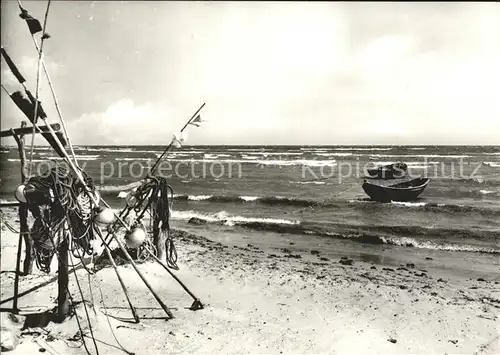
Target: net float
105, 216
19, 194
27, 193
135, 237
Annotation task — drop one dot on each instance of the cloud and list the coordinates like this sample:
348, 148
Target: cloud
124, 122
28, 66
276, 73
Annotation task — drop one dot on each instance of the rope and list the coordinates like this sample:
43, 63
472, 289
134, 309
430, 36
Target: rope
86, 312
72, 204
156, 196
37, 91
109, 324
12, 229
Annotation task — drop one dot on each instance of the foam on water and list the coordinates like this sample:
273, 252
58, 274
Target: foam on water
492, 164
223, 216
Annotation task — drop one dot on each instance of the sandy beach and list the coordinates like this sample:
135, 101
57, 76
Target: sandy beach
262, 299
339, 192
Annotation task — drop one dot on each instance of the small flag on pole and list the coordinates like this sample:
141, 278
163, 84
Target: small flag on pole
176, 143
197, 121
179, 139
33, 23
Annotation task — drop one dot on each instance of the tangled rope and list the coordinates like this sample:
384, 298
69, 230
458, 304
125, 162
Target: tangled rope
71, 203
156, 196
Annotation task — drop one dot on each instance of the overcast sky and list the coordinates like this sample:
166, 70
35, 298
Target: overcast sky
270, 73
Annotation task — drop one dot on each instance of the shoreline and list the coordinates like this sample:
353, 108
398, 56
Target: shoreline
262, 297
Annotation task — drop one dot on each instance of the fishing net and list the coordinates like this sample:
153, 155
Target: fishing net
68, 215
155, 195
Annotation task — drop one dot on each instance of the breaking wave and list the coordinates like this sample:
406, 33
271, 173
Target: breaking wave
119, 188
377, 235
492, 164
224, 218
361, 204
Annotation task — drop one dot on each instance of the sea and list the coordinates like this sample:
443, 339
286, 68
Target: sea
309, 193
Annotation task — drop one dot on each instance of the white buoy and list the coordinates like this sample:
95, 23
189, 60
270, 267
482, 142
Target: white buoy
19, 193
105, 216
135, 238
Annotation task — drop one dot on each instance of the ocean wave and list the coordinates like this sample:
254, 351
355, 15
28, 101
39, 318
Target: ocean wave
308, 182
420, 156
363, 204
249, 198
48, 159
276, 153
227, 219
111, 150
409, 204
119, 188
365, 149
475, 180
33, 160
389, 235
489, 192
303, 162
246, 149
267, 200
410, 164
423, 244
312, 149
334, 154
42, 148
244, 156
429, 207
492, 164
215, 155
333, 148
133, 159
199, 197
81, 157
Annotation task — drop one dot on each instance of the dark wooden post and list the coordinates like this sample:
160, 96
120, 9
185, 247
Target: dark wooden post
23, 209
62, 281
23, 221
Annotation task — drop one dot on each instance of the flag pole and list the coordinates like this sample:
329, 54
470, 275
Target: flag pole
152, 171
37, 89
51, 86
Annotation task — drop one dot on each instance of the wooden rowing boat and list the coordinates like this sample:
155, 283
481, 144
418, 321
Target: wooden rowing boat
387, 172
404, 191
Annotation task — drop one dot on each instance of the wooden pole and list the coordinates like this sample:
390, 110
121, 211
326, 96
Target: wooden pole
140, 274
62, 281
124, 288
197, 303
27, 130
24, 232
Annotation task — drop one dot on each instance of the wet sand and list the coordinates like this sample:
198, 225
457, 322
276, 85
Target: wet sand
273, 297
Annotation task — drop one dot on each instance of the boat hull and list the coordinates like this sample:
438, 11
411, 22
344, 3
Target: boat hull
408, 191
